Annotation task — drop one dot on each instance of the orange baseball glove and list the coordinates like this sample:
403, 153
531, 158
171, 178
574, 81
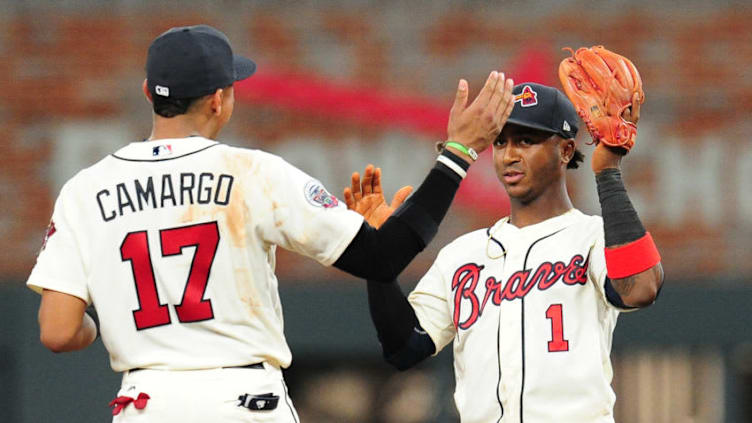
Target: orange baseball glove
601, 84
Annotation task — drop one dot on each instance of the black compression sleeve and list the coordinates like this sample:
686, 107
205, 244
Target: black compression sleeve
426, 208
621, 224
403, 341
382, 254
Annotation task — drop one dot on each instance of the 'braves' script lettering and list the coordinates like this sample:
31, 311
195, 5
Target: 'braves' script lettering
518, 285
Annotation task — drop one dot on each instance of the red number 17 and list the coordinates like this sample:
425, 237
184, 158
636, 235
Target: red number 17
193, 307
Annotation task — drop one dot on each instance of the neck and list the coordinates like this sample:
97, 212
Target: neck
181, 126
550, 203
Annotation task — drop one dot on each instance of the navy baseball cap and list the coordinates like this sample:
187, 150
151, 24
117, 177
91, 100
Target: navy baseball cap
193, 61
546, 108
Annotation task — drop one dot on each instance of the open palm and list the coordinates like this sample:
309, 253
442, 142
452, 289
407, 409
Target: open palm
367, 197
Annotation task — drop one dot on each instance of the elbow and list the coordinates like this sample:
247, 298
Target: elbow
399, 363
649, 289
53, 343
55, 339
644, 299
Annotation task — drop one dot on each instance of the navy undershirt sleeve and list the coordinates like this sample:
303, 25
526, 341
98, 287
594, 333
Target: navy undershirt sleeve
382, 254
403, 340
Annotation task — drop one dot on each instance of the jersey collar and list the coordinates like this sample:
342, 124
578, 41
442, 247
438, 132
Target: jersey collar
550, 225
163, 149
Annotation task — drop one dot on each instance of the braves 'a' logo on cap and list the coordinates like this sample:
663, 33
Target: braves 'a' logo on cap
528, 97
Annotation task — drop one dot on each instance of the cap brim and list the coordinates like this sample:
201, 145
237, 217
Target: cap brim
531, 125
244, 67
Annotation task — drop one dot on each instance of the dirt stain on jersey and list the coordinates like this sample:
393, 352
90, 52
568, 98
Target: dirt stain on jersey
236, 214
246, 290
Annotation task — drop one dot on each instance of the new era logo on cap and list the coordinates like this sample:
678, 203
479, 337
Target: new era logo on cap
163, 91
566, 126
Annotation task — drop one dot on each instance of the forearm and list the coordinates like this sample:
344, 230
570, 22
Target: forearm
63, 323
77, 339
403, 341
382, 254
633, 263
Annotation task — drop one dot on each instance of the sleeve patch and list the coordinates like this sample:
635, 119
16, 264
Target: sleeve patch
50, 231
318, 196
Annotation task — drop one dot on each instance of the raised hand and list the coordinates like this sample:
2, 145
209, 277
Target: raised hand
367, 197
476, 126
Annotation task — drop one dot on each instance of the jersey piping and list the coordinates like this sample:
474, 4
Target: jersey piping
166, 158
522, 326
498, 336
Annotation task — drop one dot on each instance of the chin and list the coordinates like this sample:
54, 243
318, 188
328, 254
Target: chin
521, 195
517, 193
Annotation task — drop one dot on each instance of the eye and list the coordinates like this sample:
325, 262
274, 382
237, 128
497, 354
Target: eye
526, 141
499, 142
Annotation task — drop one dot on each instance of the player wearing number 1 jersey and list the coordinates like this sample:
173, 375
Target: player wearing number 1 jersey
172, 240
530, 302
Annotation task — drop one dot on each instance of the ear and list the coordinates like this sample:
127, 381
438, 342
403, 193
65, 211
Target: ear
147, 93
216, 101
567, 148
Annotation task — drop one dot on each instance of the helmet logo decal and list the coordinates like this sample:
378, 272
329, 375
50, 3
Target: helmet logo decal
527, 97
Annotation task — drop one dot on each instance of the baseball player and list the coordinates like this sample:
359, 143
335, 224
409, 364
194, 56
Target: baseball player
172, 240
530, 302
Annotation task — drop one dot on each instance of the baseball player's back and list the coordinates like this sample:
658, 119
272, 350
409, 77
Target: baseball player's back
178, 225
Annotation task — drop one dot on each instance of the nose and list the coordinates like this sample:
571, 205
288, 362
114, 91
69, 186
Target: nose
510, 153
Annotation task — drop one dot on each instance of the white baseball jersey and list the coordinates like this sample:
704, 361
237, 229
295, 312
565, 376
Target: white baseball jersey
527, 310
173, 241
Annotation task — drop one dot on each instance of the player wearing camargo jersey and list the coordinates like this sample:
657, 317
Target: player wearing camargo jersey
172, 240
531, 302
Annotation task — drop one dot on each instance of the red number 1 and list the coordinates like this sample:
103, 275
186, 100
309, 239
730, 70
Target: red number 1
557, 342
193, 307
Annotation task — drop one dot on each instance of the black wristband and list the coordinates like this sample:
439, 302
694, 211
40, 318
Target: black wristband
457, 173
621, 224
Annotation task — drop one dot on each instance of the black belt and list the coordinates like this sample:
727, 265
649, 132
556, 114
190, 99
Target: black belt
247, 366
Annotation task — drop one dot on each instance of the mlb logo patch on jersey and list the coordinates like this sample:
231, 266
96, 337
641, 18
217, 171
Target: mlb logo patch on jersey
317, 195
162, 150
528, 97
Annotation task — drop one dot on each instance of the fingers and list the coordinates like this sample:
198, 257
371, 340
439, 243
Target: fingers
460, 100
485, 94
377, 181
367, 184
355, 187
349, 200
400, 196
507, 103
498, 93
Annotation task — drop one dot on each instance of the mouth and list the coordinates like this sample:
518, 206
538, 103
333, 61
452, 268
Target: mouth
512, 176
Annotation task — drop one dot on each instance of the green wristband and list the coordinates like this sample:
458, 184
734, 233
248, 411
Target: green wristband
468, 151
